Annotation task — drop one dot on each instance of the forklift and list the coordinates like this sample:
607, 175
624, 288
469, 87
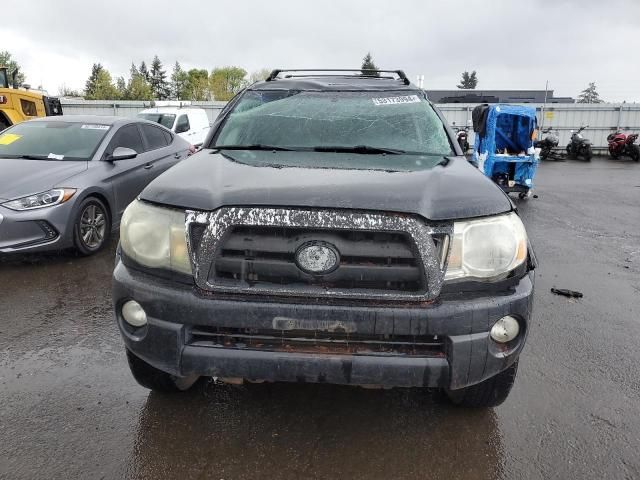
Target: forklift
20, 104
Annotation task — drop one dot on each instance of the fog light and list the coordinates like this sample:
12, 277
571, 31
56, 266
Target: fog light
134, 314
505, 329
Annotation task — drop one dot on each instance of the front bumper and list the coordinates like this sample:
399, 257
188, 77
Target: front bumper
35, 230
469, 356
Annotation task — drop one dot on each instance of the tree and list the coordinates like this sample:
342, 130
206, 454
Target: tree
469, 81
259, 75
158, 80
99, 85
590, 95
225, 82
178, 82
121, 87
64, 91
143, 71
138, 88
367, 64
197, 86
6, 60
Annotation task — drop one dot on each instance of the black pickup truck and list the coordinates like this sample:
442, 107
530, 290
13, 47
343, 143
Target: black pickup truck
330, 230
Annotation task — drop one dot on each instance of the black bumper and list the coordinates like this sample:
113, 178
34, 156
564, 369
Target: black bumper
469, 355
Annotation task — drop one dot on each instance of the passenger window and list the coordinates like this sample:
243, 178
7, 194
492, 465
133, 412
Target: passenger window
183, 124
128, 137
28, 108
154, 136
169, 137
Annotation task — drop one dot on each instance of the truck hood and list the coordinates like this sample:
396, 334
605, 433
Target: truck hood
419, 185
19, 177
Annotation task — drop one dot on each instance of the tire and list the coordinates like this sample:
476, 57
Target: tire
587, 153
569, 152
490, 393
91, 227
635, 152
150, 377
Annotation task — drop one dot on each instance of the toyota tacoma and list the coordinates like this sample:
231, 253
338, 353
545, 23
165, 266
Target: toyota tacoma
330, 230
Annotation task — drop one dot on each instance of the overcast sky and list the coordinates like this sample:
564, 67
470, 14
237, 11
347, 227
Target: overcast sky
513, 44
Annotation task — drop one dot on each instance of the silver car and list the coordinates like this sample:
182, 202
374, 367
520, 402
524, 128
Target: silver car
65, 181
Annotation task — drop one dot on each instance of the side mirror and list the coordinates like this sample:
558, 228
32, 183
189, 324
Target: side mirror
182, 128
122, 153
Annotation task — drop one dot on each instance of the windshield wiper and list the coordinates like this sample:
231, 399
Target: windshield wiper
254, 146
365, 149
28, 157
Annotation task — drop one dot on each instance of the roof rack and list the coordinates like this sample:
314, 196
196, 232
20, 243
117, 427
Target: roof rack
363, 72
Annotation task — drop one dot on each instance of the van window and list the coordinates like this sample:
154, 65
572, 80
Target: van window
28, 108
154, 136
182, 125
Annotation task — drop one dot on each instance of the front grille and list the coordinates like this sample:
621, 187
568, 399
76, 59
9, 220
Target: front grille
255, 255
316, 342
253, 250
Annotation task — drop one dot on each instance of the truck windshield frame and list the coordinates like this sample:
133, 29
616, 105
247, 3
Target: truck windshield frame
307, 120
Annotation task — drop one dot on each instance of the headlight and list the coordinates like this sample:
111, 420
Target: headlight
487, 248
155, 237
40, 200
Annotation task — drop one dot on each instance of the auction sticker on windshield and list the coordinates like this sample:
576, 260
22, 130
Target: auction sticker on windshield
9, 138
396, 100
95, 127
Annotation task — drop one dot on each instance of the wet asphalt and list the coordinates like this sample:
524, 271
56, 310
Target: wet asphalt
70, 409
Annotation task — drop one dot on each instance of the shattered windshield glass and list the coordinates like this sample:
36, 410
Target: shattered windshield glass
391, 120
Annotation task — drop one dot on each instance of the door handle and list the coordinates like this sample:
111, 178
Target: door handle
177, 156
148, 166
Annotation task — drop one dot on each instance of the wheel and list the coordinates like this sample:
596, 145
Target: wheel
635, 152
150, 377
92, 226
490, 393
569, 151
587, 153
523, 195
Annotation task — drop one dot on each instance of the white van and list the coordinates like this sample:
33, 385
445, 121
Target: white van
192, 124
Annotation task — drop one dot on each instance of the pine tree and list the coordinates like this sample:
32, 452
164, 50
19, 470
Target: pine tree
158, 80
99, 85
178, 82
590, 95
121, 87
367, 64
143, 71
469, 81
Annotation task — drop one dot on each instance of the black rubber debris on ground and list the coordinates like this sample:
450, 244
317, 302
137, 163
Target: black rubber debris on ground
567, 293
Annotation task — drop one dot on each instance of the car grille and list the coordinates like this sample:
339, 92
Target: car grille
316, 342
368, 260
253, 251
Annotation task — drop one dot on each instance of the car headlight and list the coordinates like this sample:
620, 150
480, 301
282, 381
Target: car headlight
487, 248
155, 237
40, 200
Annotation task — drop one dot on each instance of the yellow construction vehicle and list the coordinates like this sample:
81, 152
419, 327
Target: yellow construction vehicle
20, 104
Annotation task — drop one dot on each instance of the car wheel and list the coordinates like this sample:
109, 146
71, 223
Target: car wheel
150, 377
490, 393
92, 226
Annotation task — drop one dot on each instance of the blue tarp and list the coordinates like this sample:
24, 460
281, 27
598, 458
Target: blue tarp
508, 127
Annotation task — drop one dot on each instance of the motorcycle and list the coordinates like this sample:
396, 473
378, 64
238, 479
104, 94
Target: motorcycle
621, 144
462, 136
547, 144
579, 146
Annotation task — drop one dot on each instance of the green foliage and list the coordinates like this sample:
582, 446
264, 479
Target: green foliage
225, 82
259, 75
65, 91
178, 83
138, 88
158, 80
469, 81
143, 71
121, 87
367, 64
99, 85
6, 60
590, 95
197, 86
